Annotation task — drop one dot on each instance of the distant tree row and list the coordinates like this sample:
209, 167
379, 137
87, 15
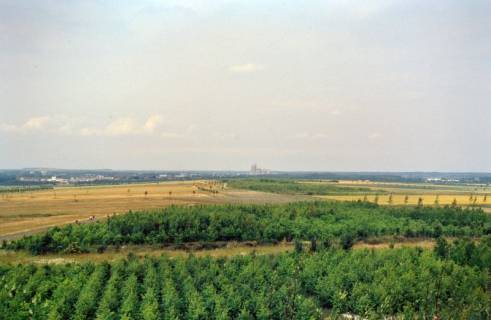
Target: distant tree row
290, 186
29, 188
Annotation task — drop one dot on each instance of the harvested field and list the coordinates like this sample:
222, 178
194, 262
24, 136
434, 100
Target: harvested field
30, 212
413, 199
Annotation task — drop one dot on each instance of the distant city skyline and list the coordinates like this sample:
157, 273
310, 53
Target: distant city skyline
189, 85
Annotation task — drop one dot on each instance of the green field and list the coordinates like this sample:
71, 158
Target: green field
290, 186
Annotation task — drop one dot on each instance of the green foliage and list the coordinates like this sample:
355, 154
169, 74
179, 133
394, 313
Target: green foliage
89, 296
467, 252
347, 240
441, 248
323, 221
373, 284
288, 186
150, 302
108, 307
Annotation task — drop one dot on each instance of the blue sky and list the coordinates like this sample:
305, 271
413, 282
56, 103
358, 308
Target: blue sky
317, 85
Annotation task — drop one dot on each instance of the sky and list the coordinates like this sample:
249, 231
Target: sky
333, 85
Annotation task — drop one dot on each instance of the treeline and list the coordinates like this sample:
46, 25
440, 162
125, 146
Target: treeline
409, 283
319, 221
27, 188
289, 186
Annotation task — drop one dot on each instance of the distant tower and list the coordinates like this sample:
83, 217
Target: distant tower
254, 169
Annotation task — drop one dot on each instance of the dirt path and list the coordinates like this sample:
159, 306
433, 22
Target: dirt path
222, 249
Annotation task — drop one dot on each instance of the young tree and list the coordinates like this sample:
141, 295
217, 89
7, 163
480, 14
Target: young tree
406, 199
150, 305
65, 296
150, 301
441, 248
347, 241
109, 304
298, 246
313, 244
129, 293
454, 202
420, 202
88, 300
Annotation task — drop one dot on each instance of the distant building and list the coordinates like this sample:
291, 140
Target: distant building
257, 171
441, 180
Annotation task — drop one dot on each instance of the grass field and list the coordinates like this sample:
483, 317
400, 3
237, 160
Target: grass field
231, 249
29, 212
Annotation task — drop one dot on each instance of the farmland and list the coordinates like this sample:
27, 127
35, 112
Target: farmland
29, 212
383, 193
253, 250
413, 194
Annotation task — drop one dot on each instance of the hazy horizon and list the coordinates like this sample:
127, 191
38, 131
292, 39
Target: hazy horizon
248, 170
333, 86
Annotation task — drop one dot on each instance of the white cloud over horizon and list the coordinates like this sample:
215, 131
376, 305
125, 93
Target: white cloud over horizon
66, 126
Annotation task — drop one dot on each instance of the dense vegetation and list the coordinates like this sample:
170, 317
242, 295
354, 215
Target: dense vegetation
300, 285
288, 186
319, 221
28, 188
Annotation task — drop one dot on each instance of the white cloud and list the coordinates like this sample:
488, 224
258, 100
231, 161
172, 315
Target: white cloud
245, 68
152, 123
35, 123
68, 126
31, 124
125, 126
122, 126
5, 127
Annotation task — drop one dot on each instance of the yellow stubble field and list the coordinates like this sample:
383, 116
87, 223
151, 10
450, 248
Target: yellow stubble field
29, 212
32, 211
396, 193
413, 199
